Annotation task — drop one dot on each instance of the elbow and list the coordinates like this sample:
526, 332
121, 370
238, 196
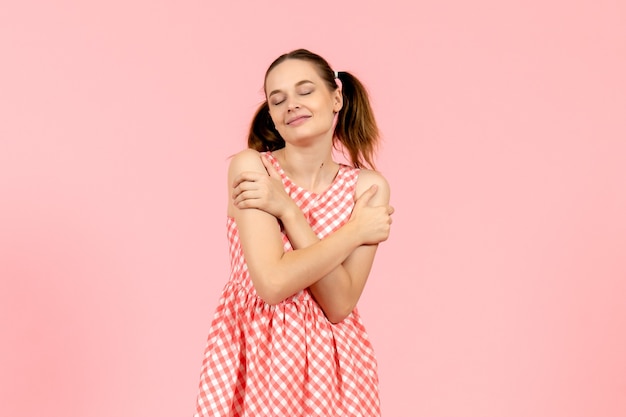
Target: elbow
270, 298
336, 305
336, 316
336, 319
268, 289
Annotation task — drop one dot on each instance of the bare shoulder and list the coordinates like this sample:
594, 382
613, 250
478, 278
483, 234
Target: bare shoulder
367, 178
245, 160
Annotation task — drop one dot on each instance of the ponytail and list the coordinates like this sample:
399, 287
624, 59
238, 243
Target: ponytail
263, 136
356, 126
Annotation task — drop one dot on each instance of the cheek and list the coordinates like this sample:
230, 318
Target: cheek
277, 121
275, 116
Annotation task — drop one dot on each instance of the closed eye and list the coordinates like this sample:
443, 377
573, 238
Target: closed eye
278, 100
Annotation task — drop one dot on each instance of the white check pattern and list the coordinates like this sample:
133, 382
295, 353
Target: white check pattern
288, 360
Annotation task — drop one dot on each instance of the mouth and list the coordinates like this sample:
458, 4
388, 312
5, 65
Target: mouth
296, 121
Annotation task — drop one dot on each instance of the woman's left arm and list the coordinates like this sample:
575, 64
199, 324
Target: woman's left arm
338, 292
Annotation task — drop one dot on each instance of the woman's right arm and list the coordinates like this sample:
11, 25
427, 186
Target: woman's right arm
277, 274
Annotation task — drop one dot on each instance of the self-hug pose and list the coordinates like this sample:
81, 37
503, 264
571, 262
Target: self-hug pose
286, 339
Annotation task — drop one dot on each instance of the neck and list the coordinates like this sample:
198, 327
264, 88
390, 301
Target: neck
311, 168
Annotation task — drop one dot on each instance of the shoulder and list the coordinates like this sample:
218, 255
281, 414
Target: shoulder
367, 178
246, 160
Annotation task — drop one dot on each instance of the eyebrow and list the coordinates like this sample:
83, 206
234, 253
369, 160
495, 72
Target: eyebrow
299, 83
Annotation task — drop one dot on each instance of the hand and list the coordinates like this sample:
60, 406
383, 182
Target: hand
373, 223
263, 192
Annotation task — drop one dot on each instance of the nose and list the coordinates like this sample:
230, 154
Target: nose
292, 104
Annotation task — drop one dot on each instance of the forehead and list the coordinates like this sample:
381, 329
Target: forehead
289, 72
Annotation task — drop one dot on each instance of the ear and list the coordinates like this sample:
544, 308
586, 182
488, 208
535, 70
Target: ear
337, 100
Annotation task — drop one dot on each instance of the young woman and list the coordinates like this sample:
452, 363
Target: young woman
286, 339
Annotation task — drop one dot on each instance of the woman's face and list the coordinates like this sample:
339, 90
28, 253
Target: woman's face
301, 105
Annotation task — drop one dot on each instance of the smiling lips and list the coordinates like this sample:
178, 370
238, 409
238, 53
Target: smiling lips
297, 121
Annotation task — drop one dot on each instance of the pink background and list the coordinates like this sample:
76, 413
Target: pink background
502, 289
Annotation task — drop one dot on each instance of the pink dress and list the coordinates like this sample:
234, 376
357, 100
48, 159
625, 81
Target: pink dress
288, 360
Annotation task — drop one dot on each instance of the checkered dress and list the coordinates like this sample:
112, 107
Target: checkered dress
288, 360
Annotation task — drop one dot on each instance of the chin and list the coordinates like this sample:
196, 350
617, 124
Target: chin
306, 134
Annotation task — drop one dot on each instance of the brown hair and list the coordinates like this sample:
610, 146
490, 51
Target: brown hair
356, 128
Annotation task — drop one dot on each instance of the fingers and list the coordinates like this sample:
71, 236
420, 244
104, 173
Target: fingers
246, 199
247, 176
248, 204
366, 196
390, 211
242, 187
269, 167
